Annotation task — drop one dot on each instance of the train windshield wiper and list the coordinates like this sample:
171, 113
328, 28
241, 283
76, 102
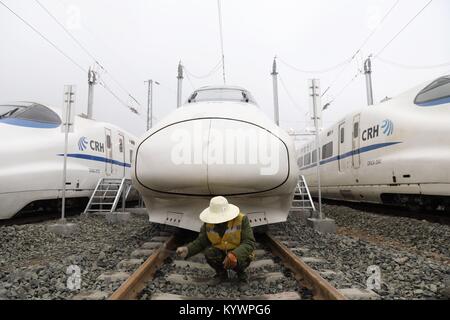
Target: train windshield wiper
245, 97
9, 113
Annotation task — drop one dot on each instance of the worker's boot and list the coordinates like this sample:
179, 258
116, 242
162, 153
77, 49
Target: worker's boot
242, 277
220, 277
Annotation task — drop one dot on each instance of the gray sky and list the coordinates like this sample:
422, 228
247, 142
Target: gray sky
138, 40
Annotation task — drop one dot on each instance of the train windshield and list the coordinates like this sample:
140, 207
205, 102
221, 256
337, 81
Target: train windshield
32, 112
221, 94
8, 111
438, 92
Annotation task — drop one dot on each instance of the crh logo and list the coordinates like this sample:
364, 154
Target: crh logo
388, 127
83, 143
371, 133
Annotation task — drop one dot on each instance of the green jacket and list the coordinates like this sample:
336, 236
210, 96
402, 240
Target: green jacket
242, 252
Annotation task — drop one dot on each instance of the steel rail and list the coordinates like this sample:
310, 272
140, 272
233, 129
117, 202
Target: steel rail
133, 286
311, 279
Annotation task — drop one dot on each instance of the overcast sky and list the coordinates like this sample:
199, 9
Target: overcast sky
136, 40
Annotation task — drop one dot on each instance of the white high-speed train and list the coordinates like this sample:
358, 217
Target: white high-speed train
218, 143
396, 152
31, 157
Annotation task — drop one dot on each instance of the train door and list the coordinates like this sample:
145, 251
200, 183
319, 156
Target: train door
122, 152
109, 152
356, 157
341, 146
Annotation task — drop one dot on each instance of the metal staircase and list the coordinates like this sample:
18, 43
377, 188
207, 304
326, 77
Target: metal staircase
302, 198
107, 195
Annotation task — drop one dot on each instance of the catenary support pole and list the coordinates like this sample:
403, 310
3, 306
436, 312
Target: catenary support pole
92, 81
149, 104
275, 92
180, 84
368, 73
315, 92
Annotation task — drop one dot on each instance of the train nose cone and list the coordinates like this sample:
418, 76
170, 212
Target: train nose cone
212, 157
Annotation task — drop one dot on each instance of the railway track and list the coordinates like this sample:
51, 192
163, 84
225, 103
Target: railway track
38, 217
434, 216
276, 273
47, 214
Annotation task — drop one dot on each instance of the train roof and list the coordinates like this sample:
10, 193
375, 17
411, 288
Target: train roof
221, 93
215, 87
45, 110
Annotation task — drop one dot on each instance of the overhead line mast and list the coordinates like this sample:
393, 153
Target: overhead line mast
221, 40
85, 50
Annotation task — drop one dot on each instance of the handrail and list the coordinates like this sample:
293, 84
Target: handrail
309, 194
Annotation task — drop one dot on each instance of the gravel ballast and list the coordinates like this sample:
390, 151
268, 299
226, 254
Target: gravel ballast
34, 261
413, 255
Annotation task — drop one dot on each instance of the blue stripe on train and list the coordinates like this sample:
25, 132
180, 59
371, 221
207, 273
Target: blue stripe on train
435, 102
29, 123
350, 153
96, 158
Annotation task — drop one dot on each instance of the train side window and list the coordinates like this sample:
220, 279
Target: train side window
121, 145
314, 156
342, 135
327, 150
108, 141
131, 156
356, 130
435, 92
307, 159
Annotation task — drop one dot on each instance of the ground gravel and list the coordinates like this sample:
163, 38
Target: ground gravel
229, 289
413, 255
33, 261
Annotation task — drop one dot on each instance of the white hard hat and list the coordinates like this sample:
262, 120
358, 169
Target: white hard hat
219, 211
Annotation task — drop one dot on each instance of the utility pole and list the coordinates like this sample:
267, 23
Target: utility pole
180, 84
319, 222
68, 121
275, 92
368, 73
315, 94
68, 118
92, 81
150, 103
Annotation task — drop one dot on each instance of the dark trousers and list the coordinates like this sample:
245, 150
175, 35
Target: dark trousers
215, 258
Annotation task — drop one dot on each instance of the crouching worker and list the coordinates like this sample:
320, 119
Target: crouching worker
226, 239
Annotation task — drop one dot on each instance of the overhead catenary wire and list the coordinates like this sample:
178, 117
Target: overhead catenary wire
348, 60
345, 87
377, 55
190, 81
377, 27
52, 44
294, 103
405, 66
207, 75
358, 51
318, 71
85, 50
219, 6
335, 79
402, 29
79, 66
107, 88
